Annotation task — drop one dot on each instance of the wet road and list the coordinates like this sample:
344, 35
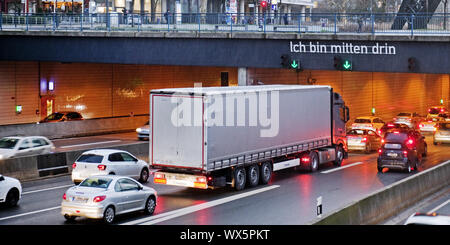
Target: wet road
289, 198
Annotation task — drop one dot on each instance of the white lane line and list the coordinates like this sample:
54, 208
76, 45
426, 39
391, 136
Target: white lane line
47, 189
191, 209
340, 168
29, 213
440, 206
95, 143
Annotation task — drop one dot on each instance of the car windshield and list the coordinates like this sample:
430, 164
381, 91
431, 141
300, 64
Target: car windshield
357, 132
8, 143
360, 120
55, 116
444, 126
90, 158
399, 137
96, 182
404, 114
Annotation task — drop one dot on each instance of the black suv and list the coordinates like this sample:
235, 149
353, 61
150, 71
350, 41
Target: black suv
401, 148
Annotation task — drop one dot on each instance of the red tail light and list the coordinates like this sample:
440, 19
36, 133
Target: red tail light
410, 142
305, 159
74, 165
99, 198
64, 196
429, 110
364, 140
421, 125
101, 167
442, 109
380, 151
201, 179
405, 153
382, 141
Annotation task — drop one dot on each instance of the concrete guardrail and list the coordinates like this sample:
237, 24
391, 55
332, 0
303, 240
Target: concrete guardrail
391, 200
39, 166
75, 128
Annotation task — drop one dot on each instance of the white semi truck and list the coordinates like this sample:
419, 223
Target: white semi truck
238, 136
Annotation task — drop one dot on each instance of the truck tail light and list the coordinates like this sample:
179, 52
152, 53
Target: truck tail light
99, 198
159, 178
200, 182
305, 159
101, 167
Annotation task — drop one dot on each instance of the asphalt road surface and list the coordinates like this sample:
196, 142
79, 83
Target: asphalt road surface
289, 198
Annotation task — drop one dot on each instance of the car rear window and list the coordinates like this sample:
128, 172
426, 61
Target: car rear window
396, 137
91, 158
8, 143
360, 120
357, 132
404, 114
96, 182
434, 111
444, 126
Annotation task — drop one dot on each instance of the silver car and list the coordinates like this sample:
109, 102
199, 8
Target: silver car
363, 140
104, 197
143, 132
442, 133
19, 146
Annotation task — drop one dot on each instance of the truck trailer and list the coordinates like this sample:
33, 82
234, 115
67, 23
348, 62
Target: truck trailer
238, 136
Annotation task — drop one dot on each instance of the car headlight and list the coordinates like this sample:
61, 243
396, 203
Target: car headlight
1, 157
139, 130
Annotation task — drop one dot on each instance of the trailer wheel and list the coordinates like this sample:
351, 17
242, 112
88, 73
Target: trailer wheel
239, 178
253, 175
314, 162
339, 156
265, 173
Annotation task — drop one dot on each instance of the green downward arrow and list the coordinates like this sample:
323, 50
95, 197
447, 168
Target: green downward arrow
294, 64
347, 65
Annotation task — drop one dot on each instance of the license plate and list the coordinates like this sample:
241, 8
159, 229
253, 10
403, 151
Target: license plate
79, 199
390, 154
392, 146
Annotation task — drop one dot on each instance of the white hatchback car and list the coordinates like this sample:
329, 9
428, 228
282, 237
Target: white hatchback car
104, 197
109, 162
10, 191
19, 146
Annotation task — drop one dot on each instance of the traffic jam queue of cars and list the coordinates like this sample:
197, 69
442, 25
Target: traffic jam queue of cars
400, 142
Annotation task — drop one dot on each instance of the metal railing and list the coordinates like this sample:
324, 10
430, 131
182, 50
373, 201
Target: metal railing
333, 23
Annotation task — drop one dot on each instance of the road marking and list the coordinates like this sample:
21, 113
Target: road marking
95, 143
47, 189
34, 212
440, 206
340, 168
191, 209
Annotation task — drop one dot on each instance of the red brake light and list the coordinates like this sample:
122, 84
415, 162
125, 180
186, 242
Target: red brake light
99, 198
364, 139
429, 110
442, 109
305, 159
64, 196
396, 132
410, 142
74, 165
382, 141
390, 125
201, 179
405, 153
421, 125
380, 151
101, 167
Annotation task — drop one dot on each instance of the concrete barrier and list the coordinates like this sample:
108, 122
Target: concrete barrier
35, 167
391, 200
75, 128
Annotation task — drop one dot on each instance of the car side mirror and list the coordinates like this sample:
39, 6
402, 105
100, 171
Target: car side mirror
140, 188
2, 178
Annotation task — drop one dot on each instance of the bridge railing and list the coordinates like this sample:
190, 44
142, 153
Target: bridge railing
333, 23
